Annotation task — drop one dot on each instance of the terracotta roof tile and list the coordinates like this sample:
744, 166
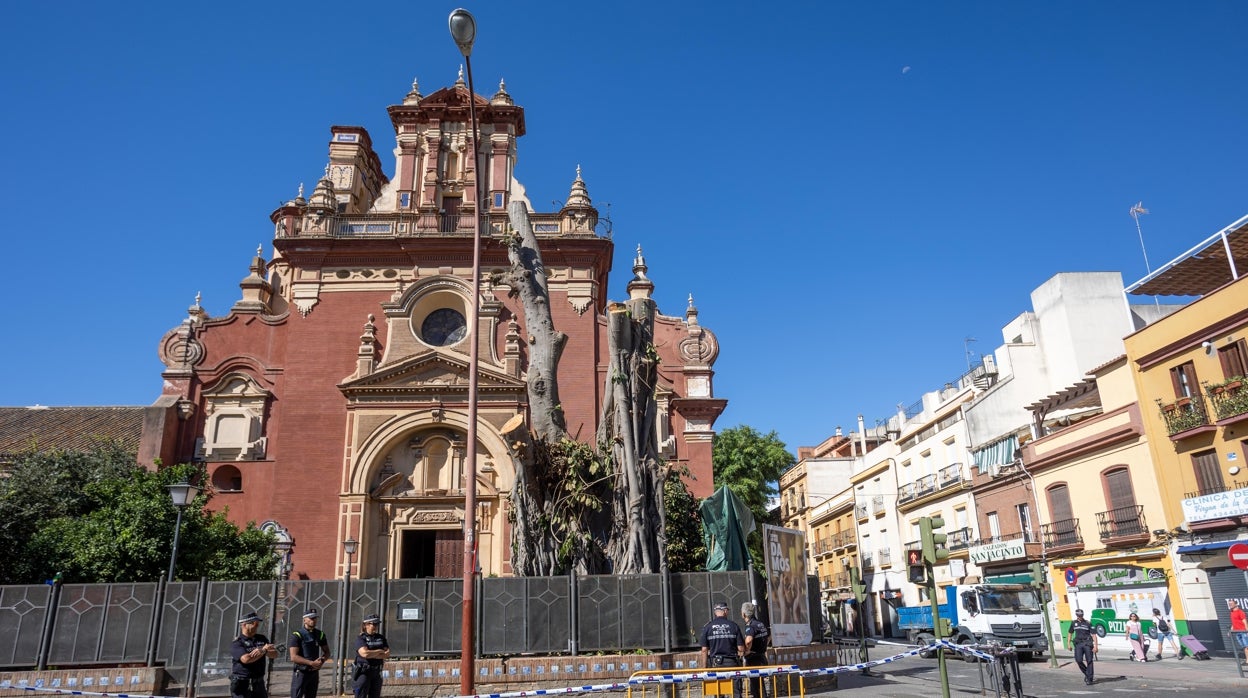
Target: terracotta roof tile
67, 428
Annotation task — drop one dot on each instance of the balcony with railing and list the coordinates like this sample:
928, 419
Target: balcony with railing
884, 557
877, 505
1230, 400
860, 510
1123, 526
931, 487
959, 539
950, 475
425, 224
840, 580
868, 561
1215, 489
1062, 537
1185, 417
844, 539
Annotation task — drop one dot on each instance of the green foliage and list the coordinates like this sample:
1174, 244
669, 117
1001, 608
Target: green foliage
97, 516
685, 550
750, 464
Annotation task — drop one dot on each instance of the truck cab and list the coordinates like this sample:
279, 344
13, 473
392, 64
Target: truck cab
1006, 614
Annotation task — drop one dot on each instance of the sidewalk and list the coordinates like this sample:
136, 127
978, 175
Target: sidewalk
1218, 671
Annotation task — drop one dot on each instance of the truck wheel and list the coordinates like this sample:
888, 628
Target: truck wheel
1100, 631
968, 658
925, 639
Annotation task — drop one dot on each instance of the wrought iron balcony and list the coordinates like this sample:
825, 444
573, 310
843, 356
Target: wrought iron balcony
959, 539
925, 484
868, 561
860, 510
1122, 523
1229, 399
1215, 490
906, 492
886, 557
877, 504
1062, 534
840, 580
1184, 414
950, 475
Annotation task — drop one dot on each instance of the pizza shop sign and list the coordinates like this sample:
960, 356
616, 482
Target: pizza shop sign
1219, 505
996, 552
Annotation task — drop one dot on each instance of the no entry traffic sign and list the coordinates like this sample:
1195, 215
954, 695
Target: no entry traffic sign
1239, 555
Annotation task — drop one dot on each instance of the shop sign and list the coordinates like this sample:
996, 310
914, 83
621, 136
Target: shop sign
1120, 574
1219, 505
996, 552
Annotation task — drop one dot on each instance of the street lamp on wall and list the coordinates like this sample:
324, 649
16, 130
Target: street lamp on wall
463, 27
182, 494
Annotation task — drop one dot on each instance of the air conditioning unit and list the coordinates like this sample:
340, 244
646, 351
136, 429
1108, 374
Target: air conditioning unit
990, 365
995, 470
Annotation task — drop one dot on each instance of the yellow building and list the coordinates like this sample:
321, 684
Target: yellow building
1094, 483
1189, 374
835, 547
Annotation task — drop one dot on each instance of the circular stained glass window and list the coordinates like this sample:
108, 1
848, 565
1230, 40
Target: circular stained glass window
443, 327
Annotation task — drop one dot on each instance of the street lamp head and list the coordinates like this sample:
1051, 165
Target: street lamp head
463, 30
348, 546
182, 493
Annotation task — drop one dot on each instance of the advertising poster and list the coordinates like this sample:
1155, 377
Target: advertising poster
785, 552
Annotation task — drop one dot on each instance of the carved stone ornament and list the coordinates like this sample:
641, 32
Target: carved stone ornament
435, 517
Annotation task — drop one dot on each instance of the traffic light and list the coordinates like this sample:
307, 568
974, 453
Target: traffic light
934, 551
1037, 574
914, 562
856, 584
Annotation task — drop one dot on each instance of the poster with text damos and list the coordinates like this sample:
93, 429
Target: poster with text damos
785, 552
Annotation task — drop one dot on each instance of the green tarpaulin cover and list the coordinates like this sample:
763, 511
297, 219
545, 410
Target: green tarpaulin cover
726, 521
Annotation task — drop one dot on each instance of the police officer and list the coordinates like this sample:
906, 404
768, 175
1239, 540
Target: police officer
249, 650
757, 635
309, 649
723, 644
1084, 639
371, 652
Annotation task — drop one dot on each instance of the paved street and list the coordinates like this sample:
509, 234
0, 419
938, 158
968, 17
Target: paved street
1114, 674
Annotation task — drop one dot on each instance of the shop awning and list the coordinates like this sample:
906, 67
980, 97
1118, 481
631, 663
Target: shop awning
1200, 547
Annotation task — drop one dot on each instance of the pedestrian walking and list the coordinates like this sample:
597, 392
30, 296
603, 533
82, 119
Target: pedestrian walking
1135, 636
249, 652
1165, 630
371, 653
309, 649
1239, 626
757, 636
1083, 638
723, 645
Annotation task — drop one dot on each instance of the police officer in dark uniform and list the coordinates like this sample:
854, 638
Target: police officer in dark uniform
309, 649
1084, 639
371, 652
723, 644
757, 636
249, 651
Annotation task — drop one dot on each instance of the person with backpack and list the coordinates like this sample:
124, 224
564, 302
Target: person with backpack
1165, 630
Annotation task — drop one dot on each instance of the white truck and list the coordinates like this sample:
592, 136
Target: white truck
1007, 614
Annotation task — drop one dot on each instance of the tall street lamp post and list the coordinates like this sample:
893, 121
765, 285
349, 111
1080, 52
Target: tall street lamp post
182, 493
464, 31
348, 547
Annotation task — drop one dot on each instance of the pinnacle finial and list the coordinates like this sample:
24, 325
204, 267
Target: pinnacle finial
260, 250
460, 79
326, 170
198, 297
578, 170
301, 190
690, 300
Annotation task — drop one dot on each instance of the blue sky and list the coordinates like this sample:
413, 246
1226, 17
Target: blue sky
849, 190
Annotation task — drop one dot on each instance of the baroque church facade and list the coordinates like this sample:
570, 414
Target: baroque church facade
331, 402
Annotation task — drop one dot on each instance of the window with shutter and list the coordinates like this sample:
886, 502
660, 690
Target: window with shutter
1183, 377
1208, 473
1232, 359
1123, 515
1063, 527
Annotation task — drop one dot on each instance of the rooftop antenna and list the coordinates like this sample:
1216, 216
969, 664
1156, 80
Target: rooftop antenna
966, 347
1136, 211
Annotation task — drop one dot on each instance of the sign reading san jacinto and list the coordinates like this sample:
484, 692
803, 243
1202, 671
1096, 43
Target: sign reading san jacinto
1219, 505
996, 552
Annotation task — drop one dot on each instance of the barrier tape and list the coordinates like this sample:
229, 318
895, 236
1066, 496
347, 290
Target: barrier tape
10, 686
